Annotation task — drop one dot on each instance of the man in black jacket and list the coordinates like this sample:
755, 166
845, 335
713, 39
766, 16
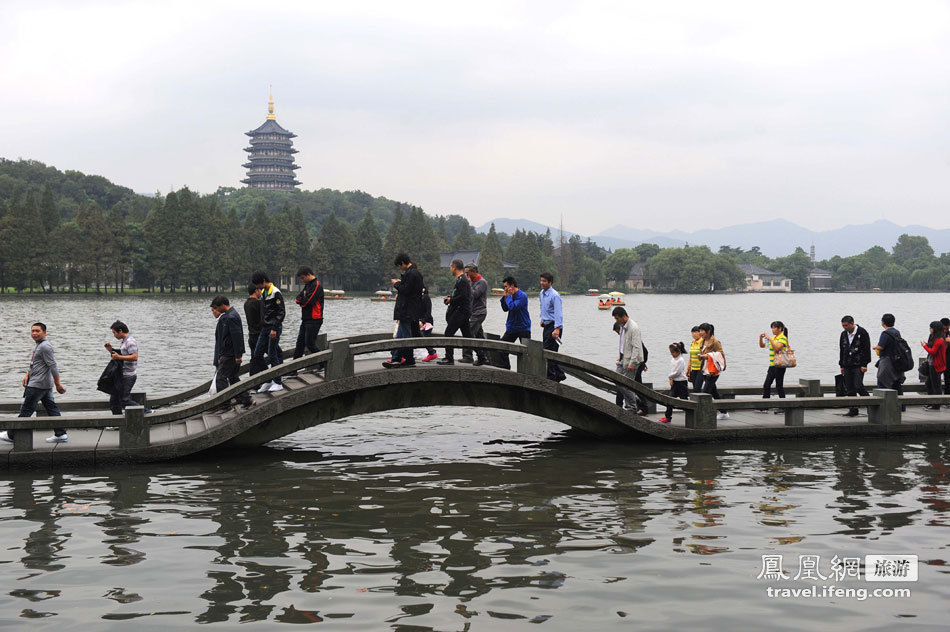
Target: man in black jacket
228, 348
310, 300
272, 324
854, 356
408, 310
459, 308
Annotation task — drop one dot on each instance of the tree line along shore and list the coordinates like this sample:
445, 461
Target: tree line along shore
68, 232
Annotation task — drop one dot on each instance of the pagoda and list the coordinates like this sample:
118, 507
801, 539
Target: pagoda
271, 161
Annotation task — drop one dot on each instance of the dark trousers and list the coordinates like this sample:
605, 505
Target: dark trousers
475, 324
709, 387
548, 342
680, 390
511, 336
638, 377
118, 400
456, 323
696, 377
226, 375
933, 382
946, 382
33, 396
412, 327
270, 347
252, 342
853, 378
307, 337
776, 374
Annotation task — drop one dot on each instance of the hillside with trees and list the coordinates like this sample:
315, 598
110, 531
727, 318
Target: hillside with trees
68, 231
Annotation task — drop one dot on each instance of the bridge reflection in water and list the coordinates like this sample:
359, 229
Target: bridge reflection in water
354, 383
297, 537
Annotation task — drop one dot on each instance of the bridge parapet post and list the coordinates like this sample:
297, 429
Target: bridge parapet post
135, 432
651, 405
321, 342
888, 411
141, 398
532, 361
341, 360
810, 388
704, 417
23, 441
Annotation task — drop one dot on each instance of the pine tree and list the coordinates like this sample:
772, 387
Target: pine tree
48, 210
339, 244
465, 240
96, 239
369, 247
490, 263
394, 242
420, 242
120, 251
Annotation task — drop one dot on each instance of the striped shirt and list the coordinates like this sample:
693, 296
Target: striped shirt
695, 364
782, 338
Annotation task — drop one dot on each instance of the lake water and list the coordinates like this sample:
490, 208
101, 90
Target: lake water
472, 519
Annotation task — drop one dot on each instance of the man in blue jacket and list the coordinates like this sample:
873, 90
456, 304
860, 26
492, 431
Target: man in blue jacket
518, 325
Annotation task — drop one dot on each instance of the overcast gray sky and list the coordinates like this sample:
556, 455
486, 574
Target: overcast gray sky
655, 115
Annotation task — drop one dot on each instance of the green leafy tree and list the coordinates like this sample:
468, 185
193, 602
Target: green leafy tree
796, 267
617, 265
910, 250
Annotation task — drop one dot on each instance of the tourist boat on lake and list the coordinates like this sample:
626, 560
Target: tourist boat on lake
382, 296
336, 295
497, 291
616, 298
603, 301
593, 292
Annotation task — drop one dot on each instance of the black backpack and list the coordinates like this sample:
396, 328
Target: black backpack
903, 357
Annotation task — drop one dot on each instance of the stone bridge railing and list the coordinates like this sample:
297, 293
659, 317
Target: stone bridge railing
884, 407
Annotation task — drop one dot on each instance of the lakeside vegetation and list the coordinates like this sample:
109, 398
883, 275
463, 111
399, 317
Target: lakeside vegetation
67, 231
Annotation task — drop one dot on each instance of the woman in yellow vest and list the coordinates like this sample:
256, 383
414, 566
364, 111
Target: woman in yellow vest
694, 371
776, 342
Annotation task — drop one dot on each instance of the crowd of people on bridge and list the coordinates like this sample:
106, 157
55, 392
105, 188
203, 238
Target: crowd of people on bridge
697, 368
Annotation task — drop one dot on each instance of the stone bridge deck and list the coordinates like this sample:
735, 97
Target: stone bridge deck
355, 383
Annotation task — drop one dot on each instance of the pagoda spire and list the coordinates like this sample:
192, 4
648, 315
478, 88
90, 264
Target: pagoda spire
270, 105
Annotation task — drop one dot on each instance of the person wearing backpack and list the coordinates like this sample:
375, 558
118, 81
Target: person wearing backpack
890, 366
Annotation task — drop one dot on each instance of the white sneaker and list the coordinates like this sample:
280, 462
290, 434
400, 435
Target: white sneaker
264, 387
274, 387
721, 416
4, 437
60, 439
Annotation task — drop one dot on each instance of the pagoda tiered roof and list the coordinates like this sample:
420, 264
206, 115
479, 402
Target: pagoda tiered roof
270, 126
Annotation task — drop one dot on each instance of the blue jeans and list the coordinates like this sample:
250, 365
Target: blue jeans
270, 346
406, 329
33, 396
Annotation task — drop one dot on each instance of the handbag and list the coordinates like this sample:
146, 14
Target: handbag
785, 358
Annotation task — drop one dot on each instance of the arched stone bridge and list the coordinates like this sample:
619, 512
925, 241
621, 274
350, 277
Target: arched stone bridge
355, 383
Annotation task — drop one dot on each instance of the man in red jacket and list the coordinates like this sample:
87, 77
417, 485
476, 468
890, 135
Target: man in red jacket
310, 300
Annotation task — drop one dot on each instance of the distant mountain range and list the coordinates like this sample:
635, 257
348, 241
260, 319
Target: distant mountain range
775, 238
